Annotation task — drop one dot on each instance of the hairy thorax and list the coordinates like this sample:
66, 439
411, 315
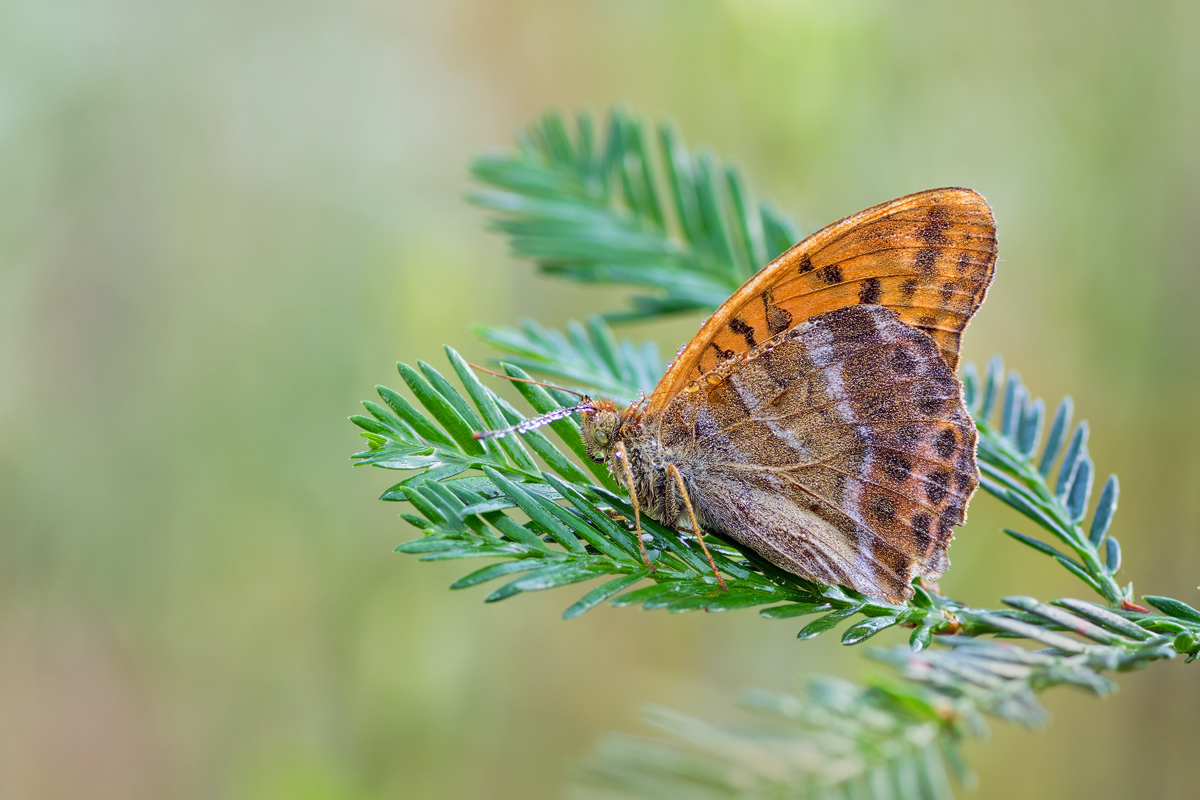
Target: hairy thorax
622, 441
656, 487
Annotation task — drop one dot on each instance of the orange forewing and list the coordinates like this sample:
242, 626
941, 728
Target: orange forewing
928, 256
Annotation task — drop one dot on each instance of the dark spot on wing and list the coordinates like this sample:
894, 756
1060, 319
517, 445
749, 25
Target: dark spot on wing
945, 443
908, 288
778, 319
930, 405
937, 485
964, 262
869, 291
831, 274
951, 516
920, 527
966, 459
896, 466
879, 408
948, 289
908, 435
934, 231
883, 509
745, 331
962, 478
902, 362
721, 354
805, 264
926, 260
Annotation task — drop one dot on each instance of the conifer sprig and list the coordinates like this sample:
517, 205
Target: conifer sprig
1009, 471
889, 738
632, 207
553, 523
623, 211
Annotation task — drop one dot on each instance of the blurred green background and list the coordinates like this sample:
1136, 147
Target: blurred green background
222, 222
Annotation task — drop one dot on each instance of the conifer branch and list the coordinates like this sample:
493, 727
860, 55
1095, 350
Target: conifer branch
578, 523
888, 738
545, 516
1009, 471
635, 208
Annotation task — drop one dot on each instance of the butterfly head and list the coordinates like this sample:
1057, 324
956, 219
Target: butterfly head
602, 425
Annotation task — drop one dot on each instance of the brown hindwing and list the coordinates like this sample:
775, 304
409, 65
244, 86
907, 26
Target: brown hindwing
840, 450
928, 256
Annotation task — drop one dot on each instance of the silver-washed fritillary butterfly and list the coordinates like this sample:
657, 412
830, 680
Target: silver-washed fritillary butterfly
816, 418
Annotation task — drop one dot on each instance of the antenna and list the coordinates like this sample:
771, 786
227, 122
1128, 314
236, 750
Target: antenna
580, 395
534, 422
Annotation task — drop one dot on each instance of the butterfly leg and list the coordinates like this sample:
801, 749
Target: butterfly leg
695, 531
627, 474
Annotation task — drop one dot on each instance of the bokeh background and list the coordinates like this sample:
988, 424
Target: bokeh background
221, 223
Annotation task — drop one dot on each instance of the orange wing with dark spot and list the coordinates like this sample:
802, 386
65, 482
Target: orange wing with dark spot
929, 257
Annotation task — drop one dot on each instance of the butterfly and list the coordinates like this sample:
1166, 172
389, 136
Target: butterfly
816, 418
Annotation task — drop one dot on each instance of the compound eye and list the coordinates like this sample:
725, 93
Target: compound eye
601, 437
